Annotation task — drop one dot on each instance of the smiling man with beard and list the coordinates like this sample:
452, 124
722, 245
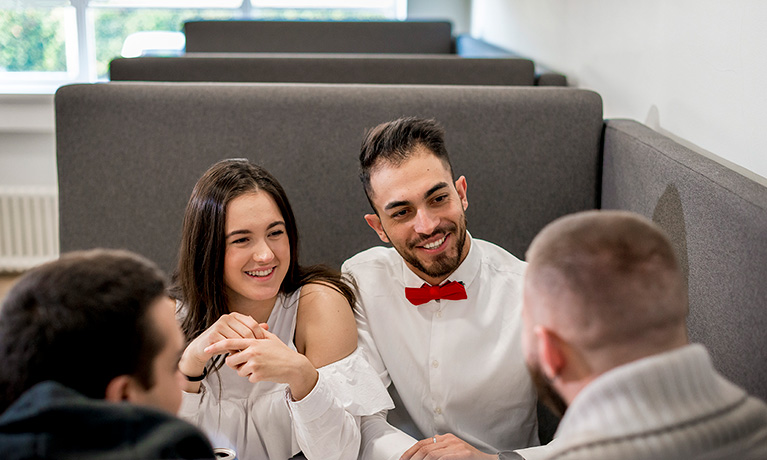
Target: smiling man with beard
438, 313
604, 310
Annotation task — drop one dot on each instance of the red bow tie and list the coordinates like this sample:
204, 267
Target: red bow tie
450, 291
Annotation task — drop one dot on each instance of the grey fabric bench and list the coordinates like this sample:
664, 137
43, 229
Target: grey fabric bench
129, 154
326, 68
718, 223
146, 144
368, 37
470, 47
419, 37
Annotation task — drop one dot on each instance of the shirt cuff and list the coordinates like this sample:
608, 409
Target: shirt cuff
313, 405
190, 403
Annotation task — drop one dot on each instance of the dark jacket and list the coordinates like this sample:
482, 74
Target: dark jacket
51, 421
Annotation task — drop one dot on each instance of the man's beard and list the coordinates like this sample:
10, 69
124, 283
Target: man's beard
444, 264
546, 392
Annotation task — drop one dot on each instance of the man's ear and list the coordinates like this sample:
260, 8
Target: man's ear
460, 186
375, 223
550, 352
119, 389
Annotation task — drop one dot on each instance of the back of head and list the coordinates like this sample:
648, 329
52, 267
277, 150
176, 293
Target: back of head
609, 284
81, 321
395, 141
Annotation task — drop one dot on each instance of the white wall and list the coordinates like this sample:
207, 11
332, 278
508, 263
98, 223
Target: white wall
692, 69
27, 140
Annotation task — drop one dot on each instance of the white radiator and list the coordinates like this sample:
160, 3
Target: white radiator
29, 227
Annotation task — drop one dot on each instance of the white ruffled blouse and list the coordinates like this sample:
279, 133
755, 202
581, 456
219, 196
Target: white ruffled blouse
261, 421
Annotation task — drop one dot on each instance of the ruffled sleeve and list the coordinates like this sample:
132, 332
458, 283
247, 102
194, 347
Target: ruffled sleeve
327, 420
356, 385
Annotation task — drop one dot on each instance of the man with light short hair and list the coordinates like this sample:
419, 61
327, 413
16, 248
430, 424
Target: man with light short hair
605, 337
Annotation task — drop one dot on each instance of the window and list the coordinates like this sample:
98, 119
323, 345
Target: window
46, 43
33, 41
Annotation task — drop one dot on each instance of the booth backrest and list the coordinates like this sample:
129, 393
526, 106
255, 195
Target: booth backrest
470, 47
717, 220
327, 68
129, 154
419, 37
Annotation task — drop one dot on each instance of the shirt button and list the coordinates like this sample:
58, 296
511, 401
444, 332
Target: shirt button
435, 364
439, 314
438, 411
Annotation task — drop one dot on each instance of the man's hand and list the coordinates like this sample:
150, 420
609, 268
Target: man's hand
446, 447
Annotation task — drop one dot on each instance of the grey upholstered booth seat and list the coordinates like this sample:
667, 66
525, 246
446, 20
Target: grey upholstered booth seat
327, 68
470, 47
717, 220
420, 37
405, 37
129, 154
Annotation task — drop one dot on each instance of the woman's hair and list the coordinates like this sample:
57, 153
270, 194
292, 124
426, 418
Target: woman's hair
199, 279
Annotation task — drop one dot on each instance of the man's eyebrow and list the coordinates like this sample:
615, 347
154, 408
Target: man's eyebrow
439, 186
396, 204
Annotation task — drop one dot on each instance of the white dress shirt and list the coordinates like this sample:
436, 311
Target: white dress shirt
261, 421
457, 365
669, 406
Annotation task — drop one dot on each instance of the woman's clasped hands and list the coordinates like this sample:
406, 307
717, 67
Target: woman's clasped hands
254, 352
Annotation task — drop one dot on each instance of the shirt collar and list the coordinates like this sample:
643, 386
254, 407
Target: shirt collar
465, 273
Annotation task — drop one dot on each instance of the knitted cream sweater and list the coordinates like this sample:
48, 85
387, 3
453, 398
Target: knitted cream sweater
669, 406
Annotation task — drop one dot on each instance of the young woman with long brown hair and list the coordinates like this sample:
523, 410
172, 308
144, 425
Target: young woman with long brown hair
272, 361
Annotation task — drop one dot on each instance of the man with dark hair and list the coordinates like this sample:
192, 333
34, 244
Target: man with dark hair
80, 336
438, 314
605, 337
